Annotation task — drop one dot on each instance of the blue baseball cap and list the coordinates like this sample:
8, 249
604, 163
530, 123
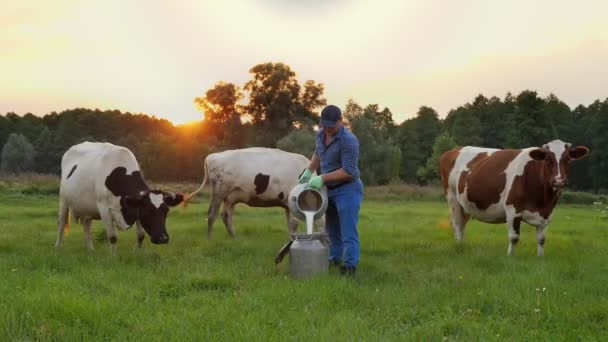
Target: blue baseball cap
330, 115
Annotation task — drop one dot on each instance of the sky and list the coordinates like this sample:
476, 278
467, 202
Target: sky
155, 57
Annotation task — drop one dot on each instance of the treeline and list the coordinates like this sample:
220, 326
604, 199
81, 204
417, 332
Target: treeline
281, 112
517, 121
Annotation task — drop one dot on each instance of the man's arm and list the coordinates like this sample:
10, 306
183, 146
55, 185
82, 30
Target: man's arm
336, 176
339, 175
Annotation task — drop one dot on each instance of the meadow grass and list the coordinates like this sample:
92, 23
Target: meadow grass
414, 281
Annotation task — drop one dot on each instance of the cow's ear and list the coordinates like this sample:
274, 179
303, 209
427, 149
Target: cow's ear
538, 154
172, 199
578, 152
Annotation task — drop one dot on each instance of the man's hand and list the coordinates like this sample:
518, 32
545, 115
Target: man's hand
315, 183
305, 177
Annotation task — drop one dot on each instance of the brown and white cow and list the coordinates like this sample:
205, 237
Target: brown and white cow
258, 177
507, 186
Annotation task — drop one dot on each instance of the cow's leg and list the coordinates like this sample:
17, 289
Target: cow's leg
292, 223
111, 233
540, 239
214, 206
227, 211
88, 239
513, 224
459, 218
62, 221
140, 234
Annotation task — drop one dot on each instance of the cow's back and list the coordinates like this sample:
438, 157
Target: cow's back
265, 173
458, 161
479, 180
84, 169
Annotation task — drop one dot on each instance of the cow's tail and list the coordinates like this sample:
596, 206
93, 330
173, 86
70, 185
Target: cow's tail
188, 197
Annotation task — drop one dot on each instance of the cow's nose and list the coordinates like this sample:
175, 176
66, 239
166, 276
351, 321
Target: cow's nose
560, 183
163, 239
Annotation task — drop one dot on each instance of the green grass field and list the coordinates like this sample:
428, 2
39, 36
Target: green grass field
414, 281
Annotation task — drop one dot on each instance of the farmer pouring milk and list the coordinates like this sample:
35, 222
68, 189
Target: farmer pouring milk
337, 153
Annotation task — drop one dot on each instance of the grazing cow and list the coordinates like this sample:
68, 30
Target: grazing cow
258, 177
104, 181
507, 186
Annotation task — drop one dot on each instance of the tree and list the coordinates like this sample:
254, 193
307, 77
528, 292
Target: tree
583, 133
17, 155
6, 127
351, 111
381, 120
222, 112
276, 101
430, 172
428, 127
220, 103
416, 137
466, 127
560, 118
311, 99
158, 157
529, 125
46, 161
379, 158
480, 123
412, 156
493, 115
599, 156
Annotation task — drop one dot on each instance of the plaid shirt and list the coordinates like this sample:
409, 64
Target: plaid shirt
341, 152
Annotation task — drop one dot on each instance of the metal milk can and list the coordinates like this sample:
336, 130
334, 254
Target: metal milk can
308, 253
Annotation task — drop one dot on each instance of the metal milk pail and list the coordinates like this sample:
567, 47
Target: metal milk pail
308, 255
302, 199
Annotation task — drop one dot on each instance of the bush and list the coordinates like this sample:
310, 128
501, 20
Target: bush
429, 173
299, 141
571, 197
17, 155
30, 184
405, 192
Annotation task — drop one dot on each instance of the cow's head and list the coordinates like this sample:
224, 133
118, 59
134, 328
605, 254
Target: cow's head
556, 157
151, 209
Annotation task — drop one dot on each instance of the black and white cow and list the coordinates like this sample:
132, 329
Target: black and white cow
258, 177
104, 181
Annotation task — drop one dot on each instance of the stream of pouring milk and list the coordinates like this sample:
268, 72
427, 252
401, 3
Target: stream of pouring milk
310, 217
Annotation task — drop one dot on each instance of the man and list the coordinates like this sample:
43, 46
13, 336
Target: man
337, 153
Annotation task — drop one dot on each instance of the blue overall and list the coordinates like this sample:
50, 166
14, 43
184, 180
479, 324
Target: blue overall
344, 199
